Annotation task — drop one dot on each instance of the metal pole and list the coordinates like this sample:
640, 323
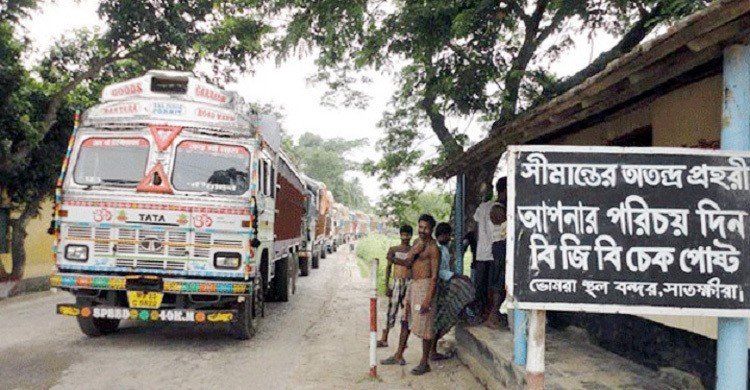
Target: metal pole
520, 322
731, 345
535, 358
374, 319
459, 216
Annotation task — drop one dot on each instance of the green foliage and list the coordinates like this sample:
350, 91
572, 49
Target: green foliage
407, 206
325, 160
374, 246
480, 59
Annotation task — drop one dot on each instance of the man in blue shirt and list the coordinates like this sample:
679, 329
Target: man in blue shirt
454, 292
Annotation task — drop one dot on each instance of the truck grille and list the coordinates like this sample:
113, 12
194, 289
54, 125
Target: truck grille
127, 240
101, 243
151, 264
152, 243
200, 250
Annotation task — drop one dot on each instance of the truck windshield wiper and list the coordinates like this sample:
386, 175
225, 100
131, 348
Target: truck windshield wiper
119, 181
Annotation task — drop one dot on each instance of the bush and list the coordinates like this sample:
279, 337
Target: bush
371, 247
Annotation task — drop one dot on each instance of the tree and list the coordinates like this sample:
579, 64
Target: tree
407, 206
325, 160
459, 59
140, 35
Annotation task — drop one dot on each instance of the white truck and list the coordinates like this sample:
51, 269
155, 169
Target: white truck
167, 208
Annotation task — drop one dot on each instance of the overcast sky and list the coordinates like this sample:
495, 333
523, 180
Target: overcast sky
286, 85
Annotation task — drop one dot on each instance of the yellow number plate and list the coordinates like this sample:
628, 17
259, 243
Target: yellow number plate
145, 300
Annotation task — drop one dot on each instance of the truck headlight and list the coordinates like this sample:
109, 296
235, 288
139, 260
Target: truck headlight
227, 260
77, 252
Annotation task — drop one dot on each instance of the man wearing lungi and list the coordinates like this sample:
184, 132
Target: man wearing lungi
454, 291
396, 293
424, 259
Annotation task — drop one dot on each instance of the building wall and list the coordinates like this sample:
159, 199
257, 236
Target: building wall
687, 117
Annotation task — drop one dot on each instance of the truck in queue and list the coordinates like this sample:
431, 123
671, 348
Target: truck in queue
342, 225
317, 217
168, 208
330, 225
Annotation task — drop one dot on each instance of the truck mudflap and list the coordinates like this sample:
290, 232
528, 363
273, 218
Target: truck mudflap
148, 315
150, 283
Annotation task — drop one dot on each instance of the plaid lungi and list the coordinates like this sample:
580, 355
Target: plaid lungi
452, 297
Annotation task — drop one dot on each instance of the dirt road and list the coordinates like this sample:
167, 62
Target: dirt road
317, 340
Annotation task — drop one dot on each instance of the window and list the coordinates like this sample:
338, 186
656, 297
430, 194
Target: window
119, 162
264, 174
272, 180
209, 167
261, 177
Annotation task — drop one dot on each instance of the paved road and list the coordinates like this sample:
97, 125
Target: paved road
317, 340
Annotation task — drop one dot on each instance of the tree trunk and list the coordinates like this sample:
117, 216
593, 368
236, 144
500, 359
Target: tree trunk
18, 239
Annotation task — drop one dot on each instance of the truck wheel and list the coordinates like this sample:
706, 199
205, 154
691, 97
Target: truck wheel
280, 283
323, 254
245, 324
95, 327
304, 266
315, 261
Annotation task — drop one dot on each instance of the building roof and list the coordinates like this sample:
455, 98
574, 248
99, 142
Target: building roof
688, 51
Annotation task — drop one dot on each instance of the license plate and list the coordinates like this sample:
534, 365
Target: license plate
145, 300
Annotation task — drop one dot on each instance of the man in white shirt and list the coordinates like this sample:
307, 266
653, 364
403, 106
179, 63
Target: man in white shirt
490, 259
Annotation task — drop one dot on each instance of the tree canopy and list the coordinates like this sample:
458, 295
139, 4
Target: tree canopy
325, 160
484, 59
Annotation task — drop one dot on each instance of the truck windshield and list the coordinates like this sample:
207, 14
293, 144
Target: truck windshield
210, 167
119, 162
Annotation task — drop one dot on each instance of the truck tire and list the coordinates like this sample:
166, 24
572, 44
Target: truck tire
315, 260
95, 327
304, 266
280, 284
245, 323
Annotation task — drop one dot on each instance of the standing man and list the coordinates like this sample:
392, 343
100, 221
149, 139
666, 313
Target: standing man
498, 217
424, 259
454, 291
488, 272
401, 277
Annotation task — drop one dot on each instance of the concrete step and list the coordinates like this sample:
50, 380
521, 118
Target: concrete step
571, 362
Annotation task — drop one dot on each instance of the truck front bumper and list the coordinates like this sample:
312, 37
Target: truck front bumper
148, 315
152, 285
167, 285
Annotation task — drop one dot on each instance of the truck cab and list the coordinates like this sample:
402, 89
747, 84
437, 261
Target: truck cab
165, 208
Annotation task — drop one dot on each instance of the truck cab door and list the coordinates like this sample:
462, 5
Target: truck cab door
266, 197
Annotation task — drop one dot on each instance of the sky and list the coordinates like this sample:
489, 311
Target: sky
286, 86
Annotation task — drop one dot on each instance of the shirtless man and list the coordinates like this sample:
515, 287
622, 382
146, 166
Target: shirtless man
424, 260
401, 277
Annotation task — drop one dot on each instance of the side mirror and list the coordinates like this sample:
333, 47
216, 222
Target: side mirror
255, 243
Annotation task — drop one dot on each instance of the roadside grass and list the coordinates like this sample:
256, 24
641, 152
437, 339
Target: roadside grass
371, 247
376, 246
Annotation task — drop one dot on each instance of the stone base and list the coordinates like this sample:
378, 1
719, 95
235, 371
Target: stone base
571, 362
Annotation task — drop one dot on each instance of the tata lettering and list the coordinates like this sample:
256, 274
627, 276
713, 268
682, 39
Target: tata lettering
151, 218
